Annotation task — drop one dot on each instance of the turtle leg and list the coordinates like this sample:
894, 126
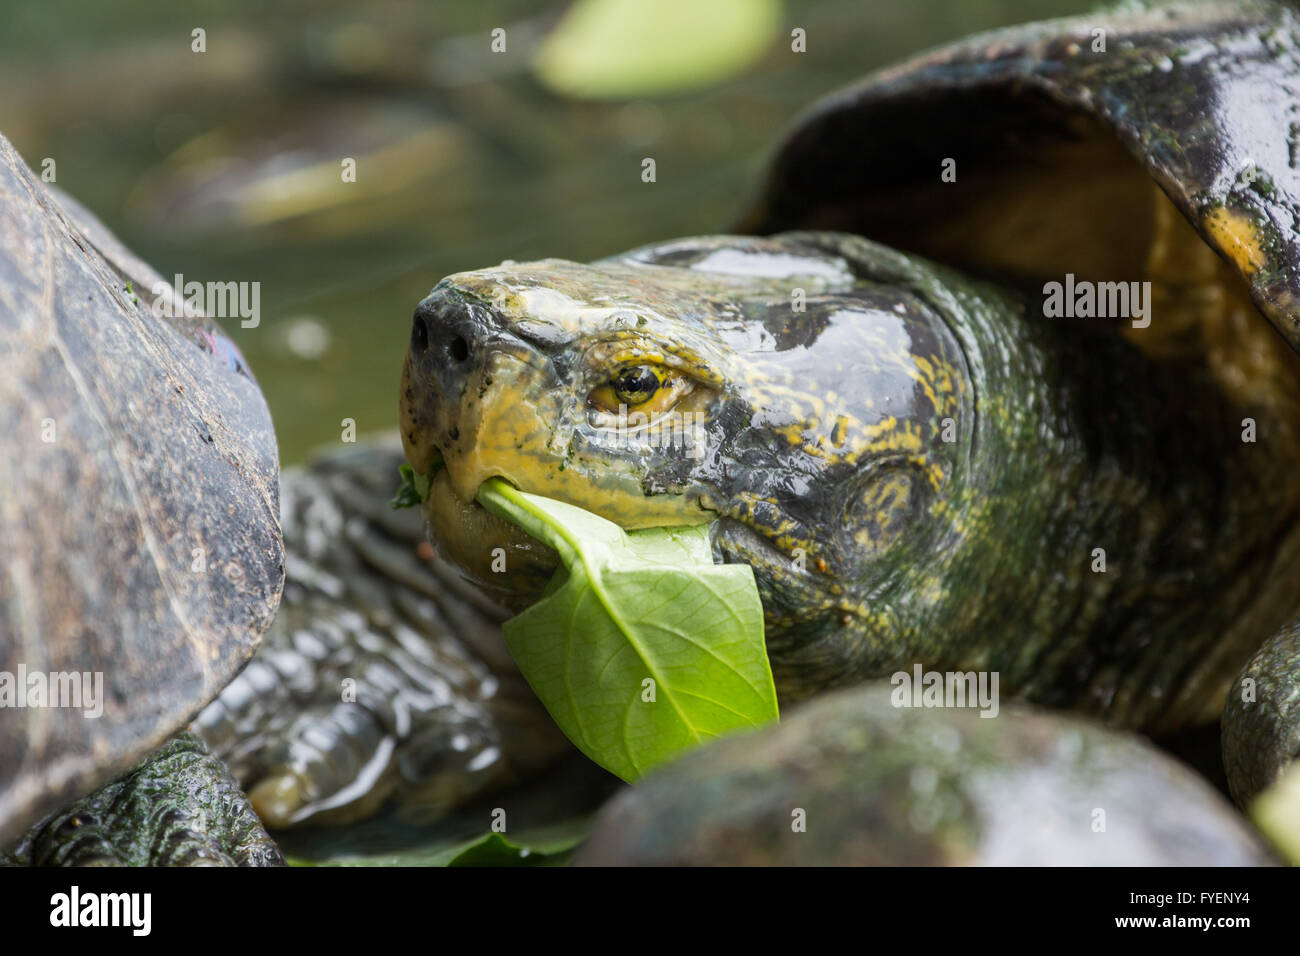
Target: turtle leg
1261, 722
384, 678
180, 807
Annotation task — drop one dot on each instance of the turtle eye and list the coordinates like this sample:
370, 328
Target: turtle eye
649, 390
637, 385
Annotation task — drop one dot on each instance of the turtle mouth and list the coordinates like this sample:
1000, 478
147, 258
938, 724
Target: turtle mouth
458, 432
511, 565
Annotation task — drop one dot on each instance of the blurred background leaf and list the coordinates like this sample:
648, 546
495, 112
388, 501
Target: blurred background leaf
618, 49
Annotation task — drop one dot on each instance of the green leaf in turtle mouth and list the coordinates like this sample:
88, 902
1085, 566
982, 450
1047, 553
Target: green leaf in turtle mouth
414, 488
641, 647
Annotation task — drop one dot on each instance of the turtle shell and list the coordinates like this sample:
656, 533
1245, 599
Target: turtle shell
955, 153
138, 505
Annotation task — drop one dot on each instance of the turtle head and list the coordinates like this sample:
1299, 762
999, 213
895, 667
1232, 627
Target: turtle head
757, 383
581, 383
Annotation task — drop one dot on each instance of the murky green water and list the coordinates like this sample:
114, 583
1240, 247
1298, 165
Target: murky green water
226, 165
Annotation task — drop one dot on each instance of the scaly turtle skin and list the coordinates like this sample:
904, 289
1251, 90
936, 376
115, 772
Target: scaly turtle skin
1261, 724
384, 677
181, 807
922, 467
383, 680
138, 505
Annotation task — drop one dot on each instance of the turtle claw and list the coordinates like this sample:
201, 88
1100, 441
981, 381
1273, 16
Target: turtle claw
329, 766
278, 798
288, 797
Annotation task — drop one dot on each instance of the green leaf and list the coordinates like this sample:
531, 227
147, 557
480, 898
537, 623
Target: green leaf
631, 608
492, 849
618, 49
414, 489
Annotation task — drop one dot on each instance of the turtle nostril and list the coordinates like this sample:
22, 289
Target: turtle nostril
419, 335
458, 349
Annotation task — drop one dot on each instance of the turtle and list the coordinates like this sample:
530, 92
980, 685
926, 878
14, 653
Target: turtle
138, 506
997, 374
151, 530
144, 515
921, 467
144, 518
384, 678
